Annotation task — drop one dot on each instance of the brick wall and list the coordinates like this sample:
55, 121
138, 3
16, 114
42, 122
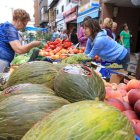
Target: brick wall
36, 13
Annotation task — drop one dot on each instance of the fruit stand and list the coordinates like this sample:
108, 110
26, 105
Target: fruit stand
71, 99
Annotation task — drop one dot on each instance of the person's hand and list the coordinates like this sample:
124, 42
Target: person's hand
36, 43
123, 45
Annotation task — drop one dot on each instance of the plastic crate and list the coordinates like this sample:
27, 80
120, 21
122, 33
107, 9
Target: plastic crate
107, 72
137, 138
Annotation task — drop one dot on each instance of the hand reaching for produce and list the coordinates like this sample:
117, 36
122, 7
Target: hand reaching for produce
36, 43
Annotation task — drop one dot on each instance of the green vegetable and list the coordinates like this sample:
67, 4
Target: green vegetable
21, 59
34, 54
75, 59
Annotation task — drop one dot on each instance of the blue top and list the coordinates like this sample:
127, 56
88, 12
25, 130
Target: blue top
54, 36
7, 33
105, 47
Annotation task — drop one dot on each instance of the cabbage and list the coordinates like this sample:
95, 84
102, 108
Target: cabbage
21, 59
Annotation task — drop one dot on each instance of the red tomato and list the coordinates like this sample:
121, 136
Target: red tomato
96, 57
52, 46
67, 40
46, 46
48, 50
48, 42
83, 49
80, 51
75, 51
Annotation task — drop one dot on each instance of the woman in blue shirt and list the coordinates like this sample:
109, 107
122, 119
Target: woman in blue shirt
9, 40
99, 43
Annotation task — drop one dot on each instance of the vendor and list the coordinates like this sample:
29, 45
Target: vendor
9, 40
99, 43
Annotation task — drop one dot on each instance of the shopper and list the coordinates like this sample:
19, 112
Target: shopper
64, 34
54, 36
99, 43
114, 27
81, 37
9, 40
108, 22
125, 37
73, 36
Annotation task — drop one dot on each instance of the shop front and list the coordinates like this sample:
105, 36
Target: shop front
90, 9
70, 18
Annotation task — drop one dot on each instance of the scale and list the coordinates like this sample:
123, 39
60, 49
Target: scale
131, 67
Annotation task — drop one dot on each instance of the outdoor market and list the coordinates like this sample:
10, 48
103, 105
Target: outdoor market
77, 84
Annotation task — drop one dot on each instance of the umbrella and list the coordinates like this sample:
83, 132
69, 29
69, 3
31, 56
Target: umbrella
35, 29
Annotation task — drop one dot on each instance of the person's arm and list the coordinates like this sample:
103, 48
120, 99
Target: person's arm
121, 37
81, 36
96, 48
88, 47
18, 48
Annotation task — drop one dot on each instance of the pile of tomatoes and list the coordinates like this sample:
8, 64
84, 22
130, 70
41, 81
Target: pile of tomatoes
55, 49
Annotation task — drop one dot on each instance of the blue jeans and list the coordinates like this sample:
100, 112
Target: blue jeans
128, 49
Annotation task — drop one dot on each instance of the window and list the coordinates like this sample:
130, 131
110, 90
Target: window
62, 8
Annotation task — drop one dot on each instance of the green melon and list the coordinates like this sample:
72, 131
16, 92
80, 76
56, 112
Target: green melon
77, 83
85, 120
25, 89
36, 72
19, 113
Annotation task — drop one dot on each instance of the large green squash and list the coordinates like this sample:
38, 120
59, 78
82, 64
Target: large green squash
36, 72
25, 89
19, 113
78, 82
85, 120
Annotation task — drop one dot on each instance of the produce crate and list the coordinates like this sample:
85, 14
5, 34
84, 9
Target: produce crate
137, 138
106, 63
106, 73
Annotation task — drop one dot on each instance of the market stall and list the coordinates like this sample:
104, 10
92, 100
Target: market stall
56, 95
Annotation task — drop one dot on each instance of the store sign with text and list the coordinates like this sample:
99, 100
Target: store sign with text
69, 11
75, 1
93, 4
71, 17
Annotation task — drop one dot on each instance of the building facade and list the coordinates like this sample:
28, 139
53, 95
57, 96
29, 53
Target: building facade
65, 14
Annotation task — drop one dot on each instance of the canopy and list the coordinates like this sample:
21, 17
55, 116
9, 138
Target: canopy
35, 29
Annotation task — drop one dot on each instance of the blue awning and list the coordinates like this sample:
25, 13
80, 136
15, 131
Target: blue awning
35, 29
92, 14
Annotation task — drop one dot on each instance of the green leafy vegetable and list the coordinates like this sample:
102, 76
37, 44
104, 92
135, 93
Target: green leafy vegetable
21, 59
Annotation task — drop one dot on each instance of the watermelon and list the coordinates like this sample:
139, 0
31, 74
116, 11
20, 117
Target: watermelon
84, 120
78, 82
19, 113
36, 72
25, 89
